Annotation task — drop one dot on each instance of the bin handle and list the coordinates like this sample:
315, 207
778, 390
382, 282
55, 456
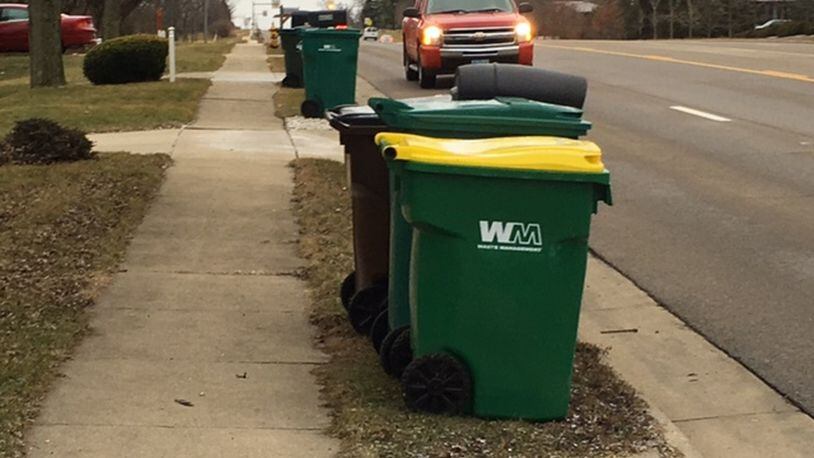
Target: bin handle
390, 153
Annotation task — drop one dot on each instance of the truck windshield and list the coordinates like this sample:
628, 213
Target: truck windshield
468, 6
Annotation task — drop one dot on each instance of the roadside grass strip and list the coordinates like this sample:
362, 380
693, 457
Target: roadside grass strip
368, 414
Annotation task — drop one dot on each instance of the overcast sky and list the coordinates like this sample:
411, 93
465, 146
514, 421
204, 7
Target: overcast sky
243, 9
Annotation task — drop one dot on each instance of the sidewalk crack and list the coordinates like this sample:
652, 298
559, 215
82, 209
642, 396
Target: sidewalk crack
737, 415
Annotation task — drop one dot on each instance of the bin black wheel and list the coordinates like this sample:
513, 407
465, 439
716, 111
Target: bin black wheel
365, 306
311, 109
437, 383
380, 328
348, 289
396, 352
291, 81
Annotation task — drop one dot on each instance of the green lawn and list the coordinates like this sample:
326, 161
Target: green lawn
15, 68
109, 108
63, 230
202, 57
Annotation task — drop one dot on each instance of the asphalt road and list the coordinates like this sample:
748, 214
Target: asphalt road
714, 211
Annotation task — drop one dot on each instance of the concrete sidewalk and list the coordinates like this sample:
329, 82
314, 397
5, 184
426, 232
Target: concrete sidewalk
207, 310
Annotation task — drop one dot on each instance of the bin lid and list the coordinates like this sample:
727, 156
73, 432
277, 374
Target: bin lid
336, 33
355, 120
540, 154
444, 117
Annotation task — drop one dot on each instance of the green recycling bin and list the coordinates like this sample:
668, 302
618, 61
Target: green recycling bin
497, 266
444, 118
290, 38
329, 58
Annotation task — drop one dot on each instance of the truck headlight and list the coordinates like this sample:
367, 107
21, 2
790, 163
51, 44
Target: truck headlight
523, 32
431, 36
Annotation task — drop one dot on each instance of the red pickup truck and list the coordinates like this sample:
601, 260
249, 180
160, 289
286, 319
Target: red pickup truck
77, 31
440, 35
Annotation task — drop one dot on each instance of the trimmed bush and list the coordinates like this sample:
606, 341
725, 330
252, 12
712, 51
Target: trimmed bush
42, 141
130, 59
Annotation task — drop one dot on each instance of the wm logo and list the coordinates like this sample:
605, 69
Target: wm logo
504, 236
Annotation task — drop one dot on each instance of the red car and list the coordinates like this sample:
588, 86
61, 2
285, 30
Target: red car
77, 31
440, 35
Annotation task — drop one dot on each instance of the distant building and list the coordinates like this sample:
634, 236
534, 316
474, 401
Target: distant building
580, 6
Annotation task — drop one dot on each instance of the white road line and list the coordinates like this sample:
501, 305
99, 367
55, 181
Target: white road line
699, 113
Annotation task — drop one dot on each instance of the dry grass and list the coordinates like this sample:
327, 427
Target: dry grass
63, 230
202, 57
276, 63
287, 102
606, 418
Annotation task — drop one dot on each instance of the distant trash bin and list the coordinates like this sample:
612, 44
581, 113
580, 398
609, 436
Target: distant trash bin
290, 39
499, 249
328, 18
382, 238
329, 68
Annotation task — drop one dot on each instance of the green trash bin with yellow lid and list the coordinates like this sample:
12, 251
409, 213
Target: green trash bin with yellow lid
497, 266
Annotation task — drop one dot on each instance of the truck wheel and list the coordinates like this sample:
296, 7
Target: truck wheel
437, 383
409, 73
426, 78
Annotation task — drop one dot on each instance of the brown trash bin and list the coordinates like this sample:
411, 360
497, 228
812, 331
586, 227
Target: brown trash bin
364, 291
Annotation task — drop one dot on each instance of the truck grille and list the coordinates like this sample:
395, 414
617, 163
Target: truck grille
473, 38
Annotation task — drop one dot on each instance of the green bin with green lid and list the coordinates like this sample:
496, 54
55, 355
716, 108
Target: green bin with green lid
445, 118
502, 116
497, 265
329, 58
290, 38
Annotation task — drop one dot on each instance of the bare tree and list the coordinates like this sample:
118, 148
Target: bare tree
729, 7
691, 17
112, 19
673, 4
45, 43
654, 18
